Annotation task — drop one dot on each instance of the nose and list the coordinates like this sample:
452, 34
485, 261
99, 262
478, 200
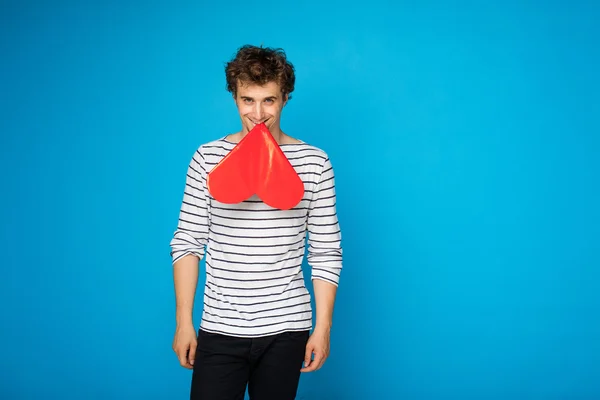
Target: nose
259, 110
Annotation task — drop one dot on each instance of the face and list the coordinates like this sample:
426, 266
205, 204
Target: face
258, 104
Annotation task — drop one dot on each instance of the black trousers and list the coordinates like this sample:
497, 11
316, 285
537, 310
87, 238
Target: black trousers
268, 366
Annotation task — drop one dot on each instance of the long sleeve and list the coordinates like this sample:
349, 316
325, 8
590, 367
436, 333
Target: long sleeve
192, 230
324, 235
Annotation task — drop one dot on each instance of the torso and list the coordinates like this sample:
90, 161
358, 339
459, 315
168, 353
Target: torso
254, 279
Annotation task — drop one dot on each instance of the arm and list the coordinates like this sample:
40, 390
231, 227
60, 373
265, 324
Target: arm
185, 277
325, 258
187, 249
324, 245
324, 300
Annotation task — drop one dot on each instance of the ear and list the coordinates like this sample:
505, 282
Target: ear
285, 99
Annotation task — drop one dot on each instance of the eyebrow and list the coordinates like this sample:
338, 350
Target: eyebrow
266, 98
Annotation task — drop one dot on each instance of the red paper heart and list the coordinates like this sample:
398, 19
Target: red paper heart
256, 165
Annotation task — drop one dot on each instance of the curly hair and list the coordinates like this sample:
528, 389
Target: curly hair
260, 65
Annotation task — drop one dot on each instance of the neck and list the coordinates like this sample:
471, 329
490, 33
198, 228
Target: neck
277, 135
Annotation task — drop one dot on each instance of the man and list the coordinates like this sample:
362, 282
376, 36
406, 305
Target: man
257, 313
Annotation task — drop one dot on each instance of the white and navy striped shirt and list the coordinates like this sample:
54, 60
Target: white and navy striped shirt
254, 253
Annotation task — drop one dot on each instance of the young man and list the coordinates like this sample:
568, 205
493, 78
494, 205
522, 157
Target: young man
257, 313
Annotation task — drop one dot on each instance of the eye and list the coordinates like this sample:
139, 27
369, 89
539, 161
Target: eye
270, 101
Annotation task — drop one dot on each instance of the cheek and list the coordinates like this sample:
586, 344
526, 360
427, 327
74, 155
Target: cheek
274, 111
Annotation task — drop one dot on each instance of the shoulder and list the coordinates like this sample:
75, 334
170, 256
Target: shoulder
217, 147
206, 151
305, 150
214, 146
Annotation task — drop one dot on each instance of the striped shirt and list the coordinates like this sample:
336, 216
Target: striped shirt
254, 280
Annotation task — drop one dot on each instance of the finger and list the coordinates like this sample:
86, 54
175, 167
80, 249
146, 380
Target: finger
308, 356
321, 362
316, 364
313, 364
182, 355
182, 360
192, 354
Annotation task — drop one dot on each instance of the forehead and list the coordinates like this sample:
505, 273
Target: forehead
271, 89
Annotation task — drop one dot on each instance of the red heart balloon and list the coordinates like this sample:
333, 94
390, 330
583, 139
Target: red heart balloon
256, 165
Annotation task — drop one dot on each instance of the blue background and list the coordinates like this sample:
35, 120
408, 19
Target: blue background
465, 140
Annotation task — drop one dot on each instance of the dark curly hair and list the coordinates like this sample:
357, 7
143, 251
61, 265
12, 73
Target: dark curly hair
260, 65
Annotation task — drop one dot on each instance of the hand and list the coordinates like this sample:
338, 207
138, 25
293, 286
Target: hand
184, 344
318, 344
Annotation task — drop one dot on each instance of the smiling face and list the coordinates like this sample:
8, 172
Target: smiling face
258, 104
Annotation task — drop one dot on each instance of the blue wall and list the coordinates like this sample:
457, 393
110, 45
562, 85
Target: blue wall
466, 145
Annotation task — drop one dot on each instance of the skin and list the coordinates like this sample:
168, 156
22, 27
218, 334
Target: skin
258, 104
255, 104
185, 275
319, 340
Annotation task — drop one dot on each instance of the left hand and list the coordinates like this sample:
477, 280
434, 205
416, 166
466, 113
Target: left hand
318, 344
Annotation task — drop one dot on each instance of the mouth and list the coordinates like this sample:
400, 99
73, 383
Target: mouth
256, 122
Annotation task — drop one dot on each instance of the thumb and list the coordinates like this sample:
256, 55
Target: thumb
192, 355
308, 356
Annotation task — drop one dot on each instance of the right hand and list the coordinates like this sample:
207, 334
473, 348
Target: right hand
184, 344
